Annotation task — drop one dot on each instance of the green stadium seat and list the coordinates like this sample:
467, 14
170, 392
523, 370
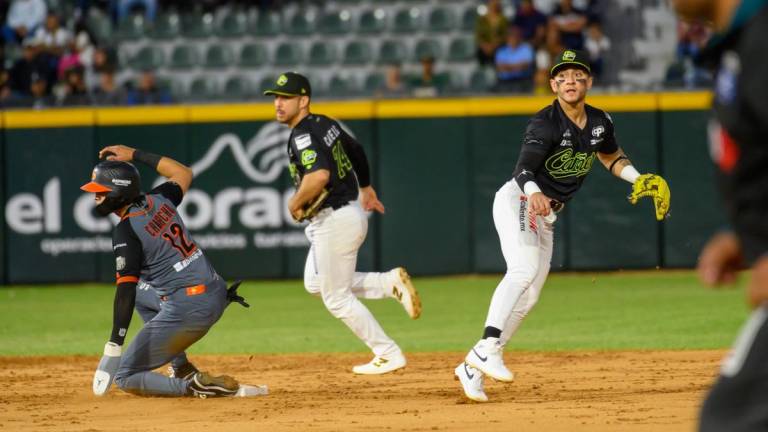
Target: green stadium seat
219, 57
392, 51
342, 86
237, 88
441, 20
203, 88
407, 20
197, 26
166, 26
372, 21
321, 53
288, 54
266, 83
184, 57
131, 28
232, 25
427, 48
358, 53
265, 24
175, 87
253, 56
100, 25
336, 23
461, 49
469, 18
373, 82
147, 58
301, 23
481, 80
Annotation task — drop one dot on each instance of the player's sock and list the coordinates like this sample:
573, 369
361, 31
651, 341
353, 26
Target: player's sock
491, 332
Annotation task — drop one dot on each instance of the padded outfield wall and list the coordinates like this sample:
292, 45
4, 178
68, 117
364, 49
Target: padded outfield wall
436, 165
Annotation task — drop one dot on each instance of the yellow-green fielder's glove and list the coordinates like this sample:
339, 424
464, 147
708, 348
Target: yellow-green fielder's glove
654, 186
311, 209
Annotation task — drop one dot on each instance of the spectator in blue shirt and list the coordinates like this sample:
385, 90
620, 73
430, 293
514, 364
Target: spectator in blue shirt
514, 63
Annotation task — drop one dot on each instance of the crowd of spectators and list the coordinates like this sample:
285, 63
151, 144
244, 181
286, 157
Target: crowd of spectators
520, 47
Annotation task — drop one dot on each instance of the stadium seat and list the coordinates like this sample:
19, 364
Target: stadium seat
175, 87
237, 87
301, 23
392, 51
288, 54
336, 23
427, 48
197, 26
342, 86
253, 56
322, 53
131, 28
373, 82
166, 26
372, 21
481, 80
407, 20
219, 57
265, 24
100, 25
266, 83
203, 88
358, 53
461, 50
441, 20
469, 18
232, 25
147, 58
184, 57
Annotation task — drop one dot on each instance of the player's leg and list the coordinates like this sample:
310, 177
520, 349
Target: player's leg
183, 320
335, 243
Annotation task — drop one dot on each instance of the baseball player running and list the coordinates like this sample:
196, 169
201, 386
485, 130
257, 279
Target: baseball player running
151, 242
328, 166
738, 400
559, 146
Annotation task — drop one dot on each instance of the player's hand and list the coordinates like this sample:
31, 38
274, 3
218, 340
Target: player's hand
108, 365
655, 187
757, 293
539, 204
119, 153
720, 260
370, 201
297, 213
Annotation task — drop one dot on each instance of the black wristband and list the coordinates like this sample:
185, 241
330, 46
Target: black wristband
150, 159
610, 169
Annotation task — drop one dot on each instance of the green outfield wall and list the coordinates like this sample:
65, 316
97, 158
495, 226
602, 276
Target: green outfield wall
436, 165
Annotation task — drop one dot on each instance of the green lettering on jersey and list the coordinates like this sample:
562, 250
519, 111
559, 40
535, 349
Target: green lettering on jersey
343, 164
567, 164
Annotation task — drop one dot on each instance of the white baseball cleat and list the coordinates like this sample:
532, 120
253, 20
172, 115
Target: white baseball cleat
487, 355
471, 381
405, 292
381, 365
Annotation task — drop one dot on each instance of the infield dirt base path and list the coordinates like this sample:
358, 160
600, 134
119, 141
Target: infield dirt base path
582, 391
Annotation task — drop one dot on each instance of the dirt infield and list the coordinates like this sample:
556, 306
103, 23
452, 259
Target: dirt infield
615, 391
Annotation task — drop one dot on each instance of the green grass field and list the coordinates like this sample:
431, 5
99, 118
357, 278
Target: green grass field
585, 311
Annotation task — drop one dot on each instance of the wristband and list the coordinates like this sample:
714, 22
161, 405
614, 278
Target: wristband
530, 188
629, 173
150, 159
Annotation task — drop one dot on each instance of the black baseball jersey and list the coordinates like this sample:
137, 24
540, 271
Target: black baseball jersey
152, 243
318, 142
557, 155
739, 132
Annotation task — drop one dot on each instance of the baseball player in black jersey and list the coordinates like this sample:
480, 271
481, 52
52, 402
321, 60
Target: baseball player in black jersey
330, 171
559, 147
151, 242
738, 402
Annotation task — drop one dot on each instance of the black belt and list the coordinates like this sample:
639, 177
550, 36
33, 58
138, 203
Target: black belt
337, 206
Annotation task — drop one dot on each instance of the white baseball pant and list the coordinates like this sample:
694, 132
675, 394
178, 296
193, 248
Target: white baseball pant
526, 243
336, 237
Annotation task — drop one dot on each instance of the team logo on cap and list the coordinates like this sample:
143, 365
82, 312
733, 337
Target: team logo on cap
569, 56
282, 80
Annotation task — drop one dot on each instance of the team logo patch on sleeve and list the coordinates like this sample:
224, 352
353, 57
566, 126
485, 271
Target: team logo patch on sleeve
308, 157
119, 263
303, 141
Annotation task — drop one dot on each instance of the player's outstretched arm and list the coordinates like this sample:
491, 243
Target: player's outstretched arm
171, 169
643, 185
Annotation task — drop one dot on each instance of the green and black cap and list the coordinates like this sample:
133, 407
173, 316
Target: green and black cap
290, 84
571, 58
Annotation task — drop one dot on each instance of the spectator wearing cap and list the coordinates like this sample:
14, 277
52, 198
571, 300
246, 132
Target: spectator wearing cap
514, 63
147, 92
489, 32
570, 22
428, 83
24, 17
531, 22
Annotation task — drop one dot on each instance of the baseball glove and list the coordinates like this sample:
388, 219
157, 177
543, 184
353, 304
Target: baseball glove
653, 186
311, 209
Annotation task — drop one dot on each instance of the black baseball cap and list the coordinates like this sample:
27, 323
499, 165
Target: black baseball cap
290, 84
571, 58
